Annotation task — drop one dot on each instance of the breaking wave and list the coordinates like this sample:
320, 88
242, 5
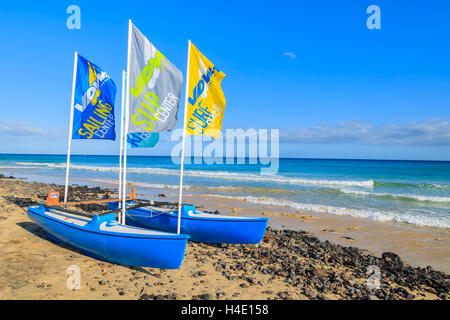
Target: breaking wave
417, 219
395, 196
224, 175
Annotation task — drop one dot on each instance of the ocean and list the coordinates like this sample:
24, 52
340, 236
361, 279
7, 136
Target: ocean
414, 192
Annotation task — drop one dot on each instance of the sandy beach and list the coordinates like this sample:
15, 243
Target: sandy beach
303, 256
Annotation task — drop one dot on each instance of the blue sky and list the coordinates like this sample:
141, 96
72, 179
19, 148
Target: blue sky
312, 69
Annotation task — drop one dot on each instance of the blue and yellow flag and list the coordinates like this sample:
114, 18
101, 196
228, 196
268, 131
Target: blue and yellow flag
95, 92
206, 101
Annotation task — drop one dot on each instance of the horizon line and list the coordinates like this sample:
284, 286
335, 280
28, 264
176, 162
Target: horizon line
296, 158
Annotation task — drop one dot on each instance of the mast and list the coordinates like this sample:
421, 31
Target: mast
184, 138
69, 143
127, 102
121, 133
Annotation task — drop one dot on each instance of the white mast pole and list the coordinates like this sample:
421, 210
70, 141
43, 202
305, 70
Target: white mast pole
72, 99
121, 132
186, 95
127, 102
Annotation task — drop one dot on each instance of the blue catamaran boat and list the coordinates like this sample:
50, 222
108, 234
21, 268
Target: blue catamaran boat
102, 237
200, 226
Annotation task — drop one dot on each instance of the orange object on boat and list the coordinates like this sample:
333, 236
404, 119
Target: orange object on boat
53, 198
133, 194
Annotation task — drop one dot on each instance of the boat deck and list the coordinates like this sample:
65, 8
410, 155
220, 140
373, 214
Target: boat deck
108, 226
199, 214
69, 218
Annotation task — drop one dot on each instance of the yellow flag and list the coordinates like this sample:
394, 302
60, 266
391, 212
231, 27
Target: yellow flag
206, 101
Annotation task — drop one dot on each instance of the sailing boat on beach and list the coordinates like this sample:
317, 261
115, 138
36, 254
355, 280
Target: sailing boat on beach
155, 79
101, 235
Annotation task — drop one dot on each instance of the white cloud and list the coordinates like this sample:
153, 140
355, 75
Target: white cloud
290, 55
433, 132
17, 128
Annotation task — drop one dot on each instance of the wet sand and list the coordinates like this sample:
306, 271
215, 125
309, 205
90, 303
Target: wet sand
285, 265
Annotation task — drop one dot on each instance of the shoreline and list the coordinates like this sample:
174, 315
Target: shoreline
369, 198
288, 264
420, 246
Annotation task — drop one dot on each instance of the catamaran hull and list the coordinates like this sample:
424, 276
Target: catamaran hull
131, 247
202, 228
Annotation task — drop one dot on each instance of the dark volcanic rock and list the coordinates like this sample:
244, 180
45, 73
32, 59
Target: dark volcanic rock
392, 258
205, 296
314, 277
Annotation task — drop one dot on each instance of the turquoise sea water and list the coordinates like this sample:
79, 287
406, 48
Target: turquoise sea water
416, 192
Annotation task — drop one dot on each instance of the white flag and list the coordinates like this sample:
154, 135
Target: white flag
155, 87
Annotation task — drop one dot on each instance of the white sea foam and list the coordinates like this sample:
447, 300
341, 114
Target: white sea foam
415, 197
224, 175
423, 218
411, 218
17, 167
